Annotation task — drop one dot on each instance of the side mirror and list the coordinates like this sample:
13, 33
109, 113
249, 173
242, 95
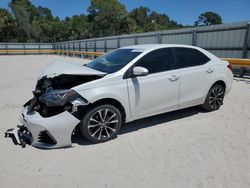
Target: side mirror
140, 71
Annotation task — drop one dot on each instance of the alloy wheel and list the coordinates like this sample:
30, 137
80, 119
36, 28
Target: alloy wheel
216, 97
103, 124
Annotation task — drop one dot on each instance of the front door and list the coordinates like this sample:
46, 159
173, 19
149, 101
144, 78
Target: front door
157, 92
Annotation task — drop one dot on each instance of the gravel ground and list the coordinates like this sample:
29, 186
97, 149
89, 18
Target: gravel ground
186, 148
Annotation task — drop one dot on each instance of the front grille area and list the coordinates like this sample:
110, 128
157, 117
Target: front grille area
46, 138
45, 111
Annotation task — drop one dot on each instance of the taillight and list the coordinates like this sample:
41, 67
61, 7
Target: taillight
230, 67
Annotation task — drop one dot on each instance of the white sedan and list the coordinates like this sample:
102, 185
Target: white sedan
124, 85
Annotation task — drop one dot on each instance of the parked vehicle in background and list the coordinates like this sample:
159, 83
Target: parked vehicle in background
124, 85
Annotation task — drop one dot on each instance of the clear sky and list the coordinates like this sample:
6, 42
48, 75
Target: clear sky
182, 11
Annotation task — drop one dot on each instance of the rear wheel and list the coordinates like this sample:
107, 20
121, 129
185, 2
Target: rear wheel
214, 98
101, 123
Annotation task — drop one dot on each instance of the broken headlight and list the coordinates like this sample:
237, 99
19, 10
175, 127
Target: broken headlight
60, 97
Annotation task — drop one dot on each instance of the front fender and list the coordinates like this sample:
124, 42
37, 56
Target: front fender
118, 92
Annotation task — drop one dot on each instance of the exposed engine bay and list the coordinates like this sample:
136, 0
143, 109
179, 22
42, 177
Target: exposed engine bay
64, 81
53, 95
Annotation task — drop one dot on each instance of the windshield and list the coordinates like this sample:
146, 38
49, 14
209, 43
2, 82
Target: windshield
114, 61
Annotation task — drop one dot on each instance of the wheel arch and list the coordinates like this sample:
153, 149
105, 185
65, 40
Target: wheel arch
206, 104
220, 82
113, 102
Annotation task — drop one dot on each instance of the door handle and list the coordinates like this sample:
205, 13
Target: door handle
173, 77
210, 70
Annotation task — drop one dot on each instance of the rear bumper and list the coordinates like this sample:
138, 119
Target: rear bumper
229, 83
49, 132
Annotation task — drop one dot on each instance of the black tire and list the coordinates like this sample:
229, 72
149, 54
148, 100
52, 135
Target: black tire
214, 98
97, 118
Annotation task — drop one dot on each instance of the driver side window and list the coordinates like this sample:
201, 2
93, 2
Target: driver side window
157, 61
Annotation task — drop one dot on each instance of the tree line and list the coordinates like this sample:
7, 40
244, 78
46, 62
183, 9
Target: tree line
24, 22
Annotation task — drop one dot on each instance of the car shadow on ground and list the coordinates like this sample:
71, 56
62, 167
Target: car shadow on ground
146, 122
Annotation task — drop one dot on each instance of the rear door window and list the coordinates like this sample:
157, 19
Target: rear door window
188, 57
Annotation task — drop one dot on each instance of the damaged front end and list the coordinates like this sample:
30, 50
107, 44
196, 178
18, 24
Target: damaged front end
54, 95
51, 116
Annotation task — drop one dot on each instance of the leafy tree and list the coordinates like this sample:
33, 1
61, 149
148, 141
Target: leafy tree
77, 27
208, 18
7, 26
28, 23
147, 20
49, 26
140, 15
107, 17
128, 25
42, 12
34, 24
159, 21
22, 12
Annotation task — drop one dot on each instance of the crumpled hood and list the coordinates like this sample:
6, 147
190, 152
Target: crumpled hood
60, 67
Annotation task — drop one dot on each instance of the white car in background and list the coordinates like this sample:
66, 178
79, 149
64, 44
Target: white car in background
124, 85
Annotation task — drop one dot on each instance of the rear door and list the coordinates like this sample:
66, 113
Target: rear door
195, 75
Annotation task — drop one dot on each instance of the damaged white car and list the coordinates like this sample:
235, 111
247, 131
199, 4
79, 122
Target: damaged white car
124, 85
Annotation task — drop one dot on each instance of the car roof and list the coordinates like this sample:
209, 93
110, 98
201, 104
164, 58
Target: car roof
156, 46
145, 48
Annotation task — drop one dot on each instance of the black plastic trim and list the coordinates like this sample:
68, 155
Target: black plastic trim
46, 137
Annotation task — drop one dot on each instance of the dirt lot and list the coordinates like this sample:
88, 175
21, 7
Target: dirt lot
187, 148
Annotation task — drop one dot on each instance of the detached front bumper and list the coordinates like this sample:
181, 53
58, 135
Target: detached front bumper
49, 132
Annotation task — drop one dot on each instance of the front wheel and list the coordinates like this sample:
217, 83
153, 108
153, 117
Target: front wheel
101, 123
214, 98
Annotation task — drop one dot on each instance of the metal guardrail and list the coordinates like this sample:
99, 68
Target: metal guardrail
238, 62
9, 52
241, 67
59, 52
92, 54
